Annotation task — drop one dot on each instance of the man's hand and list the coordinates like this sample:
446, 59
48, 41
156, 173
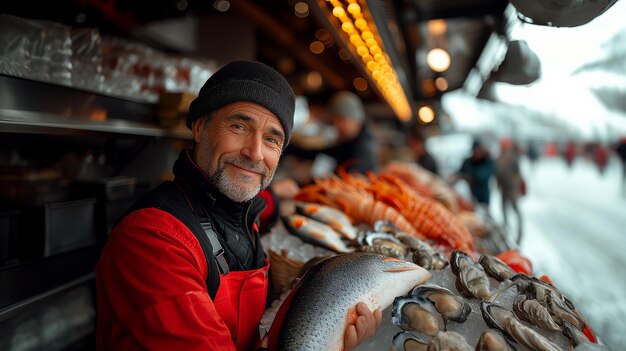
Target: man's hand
364, 326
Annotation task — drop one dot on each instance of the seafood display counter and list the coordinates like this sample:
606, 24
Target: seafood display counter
404, 242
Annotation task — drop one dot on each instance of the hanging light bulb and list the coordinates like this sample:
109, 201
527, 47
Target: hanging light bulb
438, 60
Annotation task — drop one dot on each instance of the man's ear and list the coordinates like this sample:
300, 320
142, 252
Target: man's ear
197, 128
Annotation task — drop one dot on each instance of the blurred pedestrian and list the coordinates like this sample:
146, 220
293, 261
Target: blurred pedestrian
569, 154
510, 182
477, 170
600, 157
533, 154
620, 149
355, 149
417, 144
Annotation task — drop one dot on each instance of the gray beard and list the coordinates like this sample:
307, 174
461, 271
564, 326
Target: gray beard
238, 194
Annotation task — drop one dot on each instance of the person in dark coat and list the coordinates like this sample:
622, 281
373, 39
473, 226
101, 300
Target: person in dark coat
356, 148
477, 170
417, 144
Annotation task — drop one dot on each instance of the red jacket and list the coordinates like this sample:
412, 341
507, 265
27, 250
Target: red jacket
152, 284
152, 292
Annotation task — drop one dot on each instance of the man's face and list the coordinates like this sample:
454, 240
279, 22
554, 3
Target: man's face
239, 148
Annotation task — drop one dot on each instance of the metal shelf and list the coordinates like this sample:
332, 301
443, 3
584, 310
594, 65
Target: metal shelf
17, 121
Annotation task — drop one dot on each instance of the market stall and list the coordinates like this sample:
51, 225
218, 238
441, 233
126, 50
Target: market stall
451, 282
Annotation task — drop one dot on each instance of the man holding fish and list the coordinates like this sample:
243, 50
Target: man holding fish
184, 269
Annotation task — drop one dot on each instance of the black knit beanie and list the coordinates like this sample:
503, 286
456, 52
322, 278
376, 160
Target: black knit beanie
246, 81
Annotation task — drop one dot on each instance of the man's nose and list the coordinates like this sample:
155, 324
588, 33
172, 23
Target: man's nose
253, 148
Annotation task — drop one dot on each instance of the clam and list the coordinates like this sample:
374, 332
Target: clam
533, 312
471, 279
496, 268
416, 313
448, 304
504, 320
448, 341
407, 341
493, 340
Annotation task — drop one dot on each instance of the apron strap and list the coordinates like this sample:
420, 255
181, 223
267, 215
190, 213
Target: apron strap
218, 250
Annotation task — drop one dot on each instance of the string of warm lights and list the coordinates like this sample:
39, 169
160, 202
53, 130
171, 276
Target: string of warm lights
366, 43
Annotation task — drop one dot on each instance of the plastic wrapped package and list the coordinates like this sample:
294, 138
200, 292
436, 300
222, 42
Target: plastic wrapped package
57, 48
16, 35
38, 50
120, 60
87, 59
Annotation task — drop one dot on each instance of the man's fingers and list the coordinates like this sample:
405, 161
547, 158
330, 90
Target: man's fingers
361, 328
378, 316
350, 339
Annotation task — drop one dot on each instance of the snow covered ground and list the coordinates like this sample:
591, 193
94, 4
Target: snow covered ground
575, 233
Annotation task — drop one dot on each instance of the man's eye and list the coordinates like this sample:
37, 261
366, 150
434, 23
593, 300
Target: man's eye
272, 140
238, 126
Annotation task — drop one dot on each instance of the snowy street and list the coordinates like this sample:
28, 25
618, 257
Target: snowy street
574, 228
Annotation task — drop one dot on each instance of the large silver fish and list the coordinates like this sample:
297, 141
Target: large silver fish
315, 232
336, 219
322, 304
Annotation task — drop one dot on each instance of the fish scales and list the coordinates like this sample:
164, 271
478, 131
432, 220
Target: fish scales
316, 319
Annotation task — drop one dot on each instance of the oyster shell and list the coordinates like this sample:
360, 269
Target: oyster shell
496, 268
580, 340
533, 312
383, 226
423, 254
493, 340
504, 320
559, 306
471, 279
448, 341
422, 258
407, 341
387, 243
448, 304
417, 313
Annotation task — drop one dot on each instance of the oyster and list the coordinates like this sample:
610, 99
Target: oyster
439, 262
471, 279
423, 254
533, 312
417, 313
504, 320
407, 341
561, 312
493, 340
422, 258
448, 341
496, 268
385, 243
383, 226
448, 304
549, 296
580, 340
